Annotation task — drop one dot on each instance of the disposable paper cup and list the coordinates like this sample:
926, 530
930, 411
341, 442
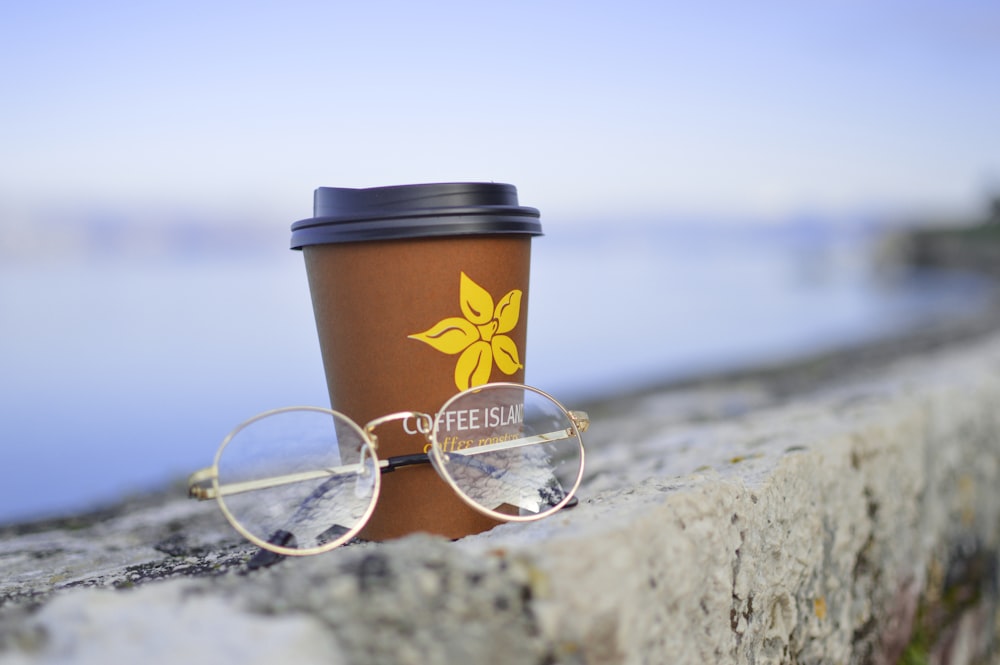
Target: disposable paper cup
393, 272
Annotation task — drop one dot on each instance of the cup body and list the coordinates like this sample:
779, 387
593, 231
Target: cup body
416, 305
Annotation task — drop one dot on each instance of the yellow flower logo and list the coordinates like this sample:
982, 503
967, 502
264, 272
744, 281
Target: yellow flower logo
479, 337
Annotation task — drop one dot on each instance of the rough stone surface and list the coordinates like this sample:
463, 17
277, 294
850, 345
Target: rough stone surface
730, 523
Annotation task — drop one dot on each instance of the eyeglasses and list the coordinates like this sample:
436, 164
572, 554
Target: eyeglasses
304, 480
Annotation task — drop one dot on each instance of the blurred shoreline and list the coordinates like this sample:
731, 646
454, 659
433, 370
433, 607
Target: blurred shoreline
697, 398
165, 355
951, 247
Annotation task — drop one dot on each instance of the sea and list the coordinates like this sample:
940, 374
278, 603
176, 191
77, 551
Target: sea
124, 362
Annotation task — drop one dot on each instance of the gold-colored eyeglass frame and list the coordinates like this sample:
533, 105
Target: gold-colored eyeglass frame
204, 484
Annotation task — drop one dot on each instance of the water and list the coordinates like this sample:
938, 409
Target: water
119, 375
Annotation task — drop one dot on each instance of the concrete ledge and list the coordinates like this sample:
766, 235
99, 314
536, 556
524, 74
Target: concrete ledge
857, 523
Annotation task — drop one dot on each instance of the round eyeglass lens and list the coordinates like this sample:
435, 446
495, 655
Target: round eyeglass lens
510, 451
300, 480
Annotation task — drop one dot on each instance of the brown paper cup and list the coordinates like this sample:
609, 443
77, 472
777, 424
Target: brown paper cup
419, 292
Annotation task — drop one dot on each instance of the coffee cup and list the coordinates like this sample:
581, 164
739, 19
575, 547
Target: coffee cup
419, 292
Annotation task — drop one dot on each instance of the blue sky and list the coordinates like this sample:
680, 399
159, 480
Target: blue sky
605, 112
756, 110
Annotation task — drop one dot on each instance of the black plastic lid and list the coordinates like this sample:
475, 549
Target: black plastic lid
414, 211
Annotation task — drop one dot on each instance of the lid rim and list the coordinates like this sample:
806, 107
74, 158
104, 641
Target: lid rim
478, 211
430, 227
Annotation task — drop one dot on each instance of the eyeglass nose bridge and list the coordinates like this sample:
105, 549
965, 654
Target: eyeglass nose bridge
414, 422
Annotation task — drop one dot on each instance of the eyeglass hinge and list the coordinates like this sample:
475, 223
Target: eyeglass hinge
200, 484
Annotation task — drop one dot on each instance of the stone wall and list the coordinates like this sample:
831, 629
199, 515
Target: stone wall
857, 522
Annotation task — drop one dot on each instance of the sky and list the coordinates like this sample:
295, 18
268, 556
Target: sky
180, 114
592, 109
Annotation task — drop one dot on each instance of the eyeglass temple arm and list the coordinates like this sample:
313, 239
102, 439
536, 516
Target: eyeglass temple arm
200, 483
